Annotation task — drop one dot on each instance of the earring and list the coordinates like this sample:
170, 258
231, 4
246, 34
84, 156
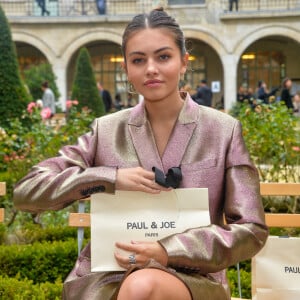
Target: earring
130, 88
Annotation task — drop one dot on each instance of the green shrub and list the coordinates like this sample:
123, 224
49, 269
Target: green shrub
36, 75
16, 289
84, 87
245, 278
39, 262
270, 133
13, 95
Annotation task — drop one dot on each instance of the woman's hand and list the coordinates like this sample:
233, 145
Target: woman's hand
138, 179
141, 253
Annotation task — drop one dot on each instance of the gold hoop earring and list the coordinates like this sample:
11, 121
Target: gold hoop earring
130, 88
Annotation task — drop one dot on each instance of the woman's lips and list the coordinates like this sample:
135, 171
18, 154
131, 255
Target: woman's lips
153, 83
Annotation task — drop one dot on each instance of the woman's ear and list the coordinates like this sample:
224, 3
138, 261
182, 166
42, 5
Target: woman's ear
185, 61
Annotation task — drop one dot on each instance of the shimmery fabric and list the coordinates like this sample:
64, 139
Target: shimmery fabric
209, 147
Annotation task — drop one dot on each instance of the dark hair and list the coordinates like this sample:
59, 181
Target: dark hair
157, 18
284, 81
45, 84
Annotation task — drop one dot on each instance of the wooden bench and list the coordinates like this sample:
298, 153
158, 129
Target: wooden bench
82, 219
2, 193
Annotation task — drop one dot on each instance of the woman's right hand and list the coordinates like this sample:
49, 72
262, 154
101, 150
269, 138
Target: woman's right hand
138, 179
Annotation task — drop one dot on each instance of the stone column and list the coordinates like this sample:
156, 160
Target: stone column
230, 63
59, 70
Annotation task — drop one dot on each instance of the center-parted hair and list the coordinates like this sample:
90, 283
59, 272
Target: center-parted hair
154, 20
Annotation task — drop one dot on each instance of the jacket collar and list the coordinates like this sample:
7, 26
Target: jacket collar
144, 143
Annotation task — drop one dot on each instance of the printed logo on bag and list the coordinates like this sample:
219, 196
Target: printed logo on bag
153, 226
290, 269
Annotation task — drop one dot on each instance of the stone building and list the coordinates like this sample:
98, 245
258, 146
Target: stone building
229, 47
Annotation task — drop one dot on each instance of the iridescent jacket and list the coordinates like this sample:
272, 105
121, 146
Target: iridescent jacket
206, 144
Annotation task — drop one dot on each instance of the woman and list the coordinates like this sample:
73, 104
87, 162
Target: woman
286, 96
168, 129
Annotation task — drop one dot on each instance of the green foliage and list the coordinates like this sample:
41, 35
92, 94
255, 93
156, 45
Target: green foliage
272, 139
39, 262
84, 86
31, 233
36, 75
245, 278
22, 147
13, 95
16, 289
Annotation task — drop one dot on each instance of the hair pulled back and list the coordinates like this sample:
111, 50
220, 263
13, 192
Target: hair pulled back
157, 18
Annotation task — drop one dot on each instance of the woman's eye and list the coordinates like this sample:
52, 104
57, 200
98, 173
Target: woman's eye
137, 60
164, 57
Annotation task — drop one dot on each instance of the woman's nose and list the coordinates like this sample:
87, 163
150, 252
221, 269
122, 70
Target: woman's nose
151, 67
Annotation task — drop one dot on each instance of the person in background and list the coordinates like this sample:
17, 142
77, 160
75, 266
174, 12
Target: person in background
242, 95
296, 104
286, 95
106, 97
165, 130
263, 93
48, 98
118, 102
101, 6
42, 5
204, 94
231, 2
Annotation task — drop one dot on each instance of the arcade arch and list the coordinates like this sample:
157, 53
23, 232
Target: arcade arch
270, 58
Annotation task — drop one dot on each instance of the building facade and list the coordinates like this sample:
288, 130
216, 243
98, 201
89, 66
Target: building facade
229, 46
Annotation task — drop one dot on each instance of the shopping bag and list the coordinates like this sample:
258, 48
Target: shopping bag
276, 270
136, 216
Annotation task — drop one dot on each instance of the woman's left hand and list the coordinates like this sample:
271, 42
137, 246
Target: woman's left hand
141, 254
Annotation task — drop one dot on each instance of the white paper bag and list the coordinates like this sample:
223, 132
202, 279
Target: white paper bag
138, 216
276, 270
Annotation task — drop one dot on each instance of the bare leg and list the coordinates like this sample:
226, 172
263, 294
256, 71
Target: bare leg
153, 284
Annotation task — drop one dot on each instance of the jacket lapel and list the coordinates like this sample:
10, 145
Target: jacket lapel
144, 142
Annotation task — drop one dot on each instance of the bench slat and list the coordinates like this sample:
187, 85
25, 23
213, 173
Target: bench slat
279, 189
1, 215
2, 188
79, 220
272, 220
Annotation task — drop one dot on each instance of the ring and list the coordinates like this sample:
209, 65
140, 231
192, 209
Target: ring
132, 259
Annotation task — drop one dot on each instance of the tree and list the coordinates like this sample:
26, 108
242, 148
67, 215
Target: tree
13, 94
85, 87
36, 75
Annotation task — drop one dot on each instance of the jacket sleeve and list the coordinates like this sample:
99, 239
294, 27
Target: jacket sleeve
213, 248
57, 182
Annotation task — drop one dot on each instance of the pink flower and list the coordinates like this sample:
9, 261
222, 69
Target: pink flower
30, 107
295, 148
70, 103
46, 113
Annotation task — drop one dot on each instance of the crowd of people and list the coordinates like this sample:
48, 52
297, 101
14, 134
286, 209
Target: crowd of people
266, 96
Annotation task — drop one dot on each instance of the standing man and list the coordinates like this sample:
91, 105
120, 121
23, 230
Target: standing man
204, 94
106, 97
42, 5
231, 5
48, 98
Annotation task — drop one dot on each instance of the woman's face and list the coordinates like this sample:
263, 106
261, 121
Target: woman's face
154, 63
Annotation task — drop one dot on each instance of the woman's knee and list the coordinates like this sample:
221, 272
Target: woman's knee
138, 285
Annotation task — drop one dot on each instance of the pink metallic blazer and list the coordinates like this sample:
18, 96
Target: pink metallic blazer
206, 144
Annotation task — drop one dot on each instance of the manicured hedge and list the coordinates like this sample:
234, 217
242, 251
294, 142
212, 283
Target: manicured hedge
15, 289
39, 262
